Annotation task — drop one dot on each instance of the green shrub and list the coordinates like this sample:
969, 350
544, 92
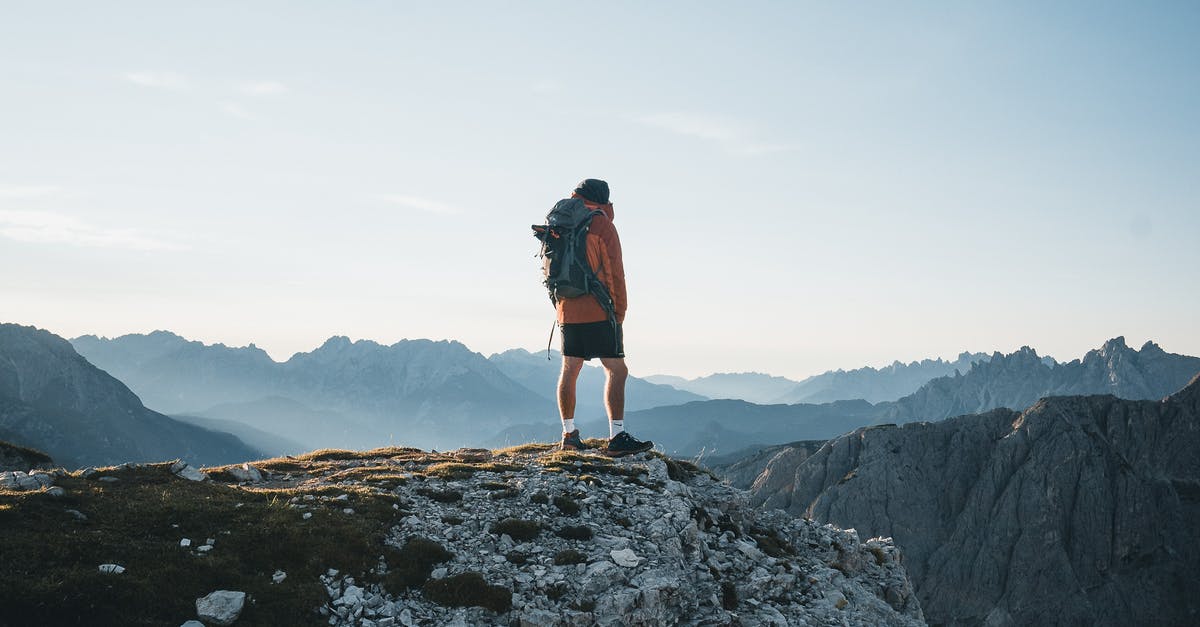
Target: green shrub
469, 589
517, 529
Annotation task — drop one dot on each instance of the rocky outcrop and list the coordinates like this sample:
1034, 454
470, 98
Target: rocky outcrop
54, 400
751, 471
1077, 511
668, 545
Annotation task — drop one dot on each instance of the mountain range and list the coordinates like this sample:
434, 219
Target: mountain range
1014, 381
1080, 510
874, 385
54, 400
352, 394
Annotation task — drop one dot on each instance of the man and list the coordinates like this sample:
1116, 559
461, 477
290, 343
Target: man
588, 332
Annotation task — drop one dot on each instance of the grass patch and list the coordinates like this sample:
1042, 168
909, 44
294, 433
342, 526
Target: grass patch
51, 559
566, 505
410, 566
517, 529
579, 532
508, 493
541, 498
515, 557
452, 520
531, 448
467, 590
569, 556
493, 485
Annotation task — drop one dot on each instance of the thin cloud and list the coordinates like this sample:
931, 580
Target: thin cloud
730, 134
421, 204
160, 80
44, 227
235, 110
28, 191
263, 88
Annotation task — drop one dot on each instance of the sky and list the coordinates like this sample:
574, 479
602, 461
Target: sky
797, 186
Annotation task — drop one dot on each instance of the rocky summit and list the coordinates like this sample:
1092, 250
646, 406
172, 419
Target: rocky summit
1080, 510
521, 536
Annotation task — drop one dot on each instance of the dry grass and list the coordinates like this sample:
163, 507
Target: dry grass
51, 558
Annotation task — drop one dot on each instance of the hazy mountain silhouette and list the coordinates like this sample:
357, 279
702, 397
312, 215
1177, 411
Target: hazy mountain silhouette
1079, 510
754, 387
876, 384
54, 400
352, 394
540, 375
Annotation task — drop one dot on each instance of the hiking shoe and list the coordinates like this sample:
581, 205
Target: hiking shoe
623, 444
572, 442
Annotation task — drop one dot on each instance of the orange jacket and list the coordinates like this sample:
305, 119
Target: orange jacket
604, 255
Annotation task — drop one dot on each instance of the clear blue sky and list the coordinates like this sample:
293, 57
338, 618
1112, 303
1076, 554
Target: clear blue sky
797, 186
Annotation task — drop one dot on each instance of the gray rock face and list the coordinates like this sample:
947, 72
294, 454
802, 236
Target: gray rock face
659, 551
1077, 511
54, 400
751, 471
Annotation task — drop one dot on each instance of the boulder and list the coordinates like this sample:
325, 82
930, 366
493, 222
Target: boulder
221, 607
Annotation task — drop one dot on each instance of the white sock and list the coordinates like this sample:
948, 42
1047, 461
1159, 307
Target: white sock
615, 427
568, 425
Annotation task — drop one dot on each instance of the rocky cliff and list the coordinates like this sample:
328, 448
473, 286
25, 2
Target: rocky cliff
53, 400
1077, 511
522, 536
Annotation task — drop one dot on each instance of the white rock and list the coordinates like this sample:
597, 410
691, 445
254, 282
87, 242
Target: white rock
192, 623
186, 542
205, 548
278, 577
221, 607
307, 515
246, 472
191, 474
112, 569
56, 491
625, 557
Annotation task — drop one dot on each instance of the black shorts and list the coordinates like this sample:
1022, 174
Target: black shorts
592, 339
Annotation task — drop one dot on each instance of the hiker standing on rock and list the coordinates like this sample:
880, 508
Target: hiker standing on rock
586, 278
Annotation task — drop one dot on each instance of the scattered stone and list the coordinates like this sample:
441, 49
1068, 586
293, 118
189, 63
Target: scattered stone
186, 542
221, 607
625, 557
189, 472
55, 491
77, 514
246, 473
192, 623
306, 515
278, 577
204, 548
111, 569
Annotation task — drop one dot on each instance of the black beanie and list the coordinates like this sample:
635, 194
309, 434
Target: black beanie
594, 190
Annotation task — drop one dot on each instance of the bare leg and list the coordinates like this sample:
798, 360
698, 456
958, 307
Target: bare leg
566, 386
614, 386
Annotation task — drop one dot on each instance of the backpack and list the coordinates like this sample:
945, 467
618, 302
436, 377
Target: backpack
566, 272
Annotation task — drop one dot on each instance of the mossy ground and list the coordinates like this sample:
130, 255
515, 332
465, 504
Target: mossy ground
49, 558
